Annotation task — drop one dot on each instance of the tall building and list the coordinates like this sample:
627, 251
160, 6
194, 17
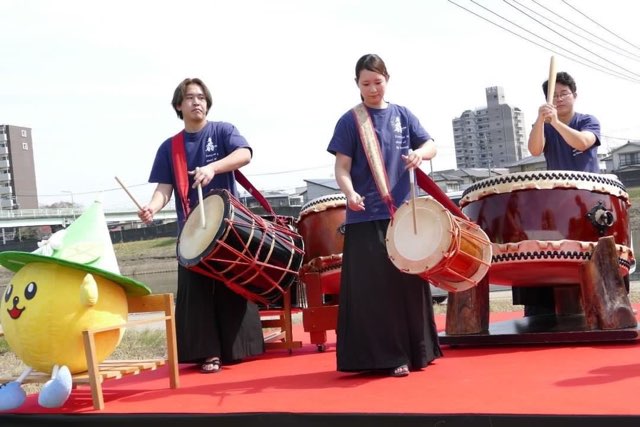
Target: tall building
18, 188
489, 137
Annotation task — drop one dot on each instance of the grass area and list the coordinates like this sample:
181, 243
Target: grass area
142, 344
4, 347
164, 246
634, 195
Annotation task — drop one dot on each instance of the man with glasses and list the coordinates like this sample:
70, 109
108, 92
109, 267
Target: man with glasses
569, 141
214, 325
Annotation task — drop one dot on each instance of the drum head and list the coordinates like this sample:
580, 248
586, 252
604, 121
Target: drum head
420, 249
323, 203
545, 180
195, 240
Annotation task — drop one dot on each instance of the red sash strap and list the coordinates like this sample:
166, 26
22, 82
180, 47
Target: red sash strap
433, 190
242, 180
182, 181
371, 148
180, 172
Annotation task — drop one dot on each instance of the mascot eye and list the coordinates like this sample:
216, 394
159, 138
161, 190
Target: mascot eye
8, 292
30, 290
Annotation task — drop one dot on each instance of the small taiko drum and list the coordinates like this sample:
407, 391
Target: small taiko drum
257, 258
321, 224
544, 224
452, 253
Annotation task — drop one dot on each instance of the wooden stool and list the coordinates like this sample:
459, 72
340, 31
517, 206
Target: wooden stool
281, 320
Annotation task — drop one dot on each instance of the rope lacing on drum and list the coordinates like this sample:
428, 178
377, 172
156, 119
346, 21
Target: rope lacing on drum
548, 255
542, 175
238, 260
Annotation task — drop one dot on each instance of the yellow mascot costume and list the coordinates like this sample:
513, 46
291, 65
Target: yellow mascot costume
69, 284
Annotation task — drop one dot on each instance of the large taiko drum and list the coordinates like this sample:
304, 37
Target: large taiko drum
544, 224
321, 224
257, 258
452, 253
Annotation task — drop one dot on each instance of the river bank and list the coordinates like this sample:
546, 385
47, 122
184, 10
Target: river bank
146, 256
152, 262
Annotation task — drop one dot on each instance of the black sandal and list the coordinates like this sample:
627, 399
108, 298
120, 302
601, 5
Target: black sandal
210, 366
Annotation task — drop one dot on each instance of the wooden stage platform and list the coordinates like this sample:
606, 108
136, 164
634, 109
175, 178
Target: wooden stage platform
579, 384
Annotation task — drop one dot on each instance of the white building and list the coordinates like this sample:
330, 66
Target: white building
489, 137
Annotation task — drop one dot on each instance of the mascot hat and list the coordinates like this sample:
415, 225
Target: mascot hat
84, 245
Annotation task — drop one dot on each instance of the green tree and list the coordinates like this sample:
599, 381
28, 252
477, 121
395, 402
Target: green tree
60, 205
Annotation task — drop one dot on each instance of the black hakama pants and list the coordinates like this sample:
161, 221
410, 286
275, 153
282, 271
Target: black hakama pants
212, 320
385, 316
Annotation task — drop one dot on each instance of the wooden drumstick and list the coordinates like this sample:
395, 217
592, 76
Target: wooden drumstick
130, 195
203, 220
551, 83
412, 183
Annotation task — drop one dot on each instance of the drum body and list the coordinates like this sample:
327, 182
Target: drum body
321, 224
257, 258
450, 252
544, 224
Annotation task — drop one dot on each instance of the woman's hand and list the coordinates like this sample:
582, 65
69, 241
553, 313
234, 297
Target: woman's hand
355, 202
412, 160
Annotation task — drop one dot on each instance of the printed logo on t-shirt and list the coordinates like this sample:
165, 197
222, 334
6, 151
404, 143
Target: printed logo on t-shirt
210, 146
396, 124
398, 131
210, 151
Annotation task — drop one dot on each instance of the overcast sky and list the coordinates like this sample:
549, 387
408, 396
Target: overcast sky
94, 79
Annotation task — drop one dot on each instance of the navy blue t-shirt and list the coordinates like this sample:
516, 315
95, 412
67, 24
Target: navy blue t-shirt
215, 141
397, 130
561, 156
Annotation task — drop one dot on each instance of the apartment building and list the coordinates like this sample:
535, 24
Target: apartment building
18, 188
489, 137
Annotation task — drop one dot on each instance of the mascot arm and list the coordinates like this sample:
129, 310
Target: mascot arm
89, 291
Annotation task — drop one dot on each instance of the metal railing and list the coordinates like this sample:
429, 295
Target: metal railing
64, 216
39, 213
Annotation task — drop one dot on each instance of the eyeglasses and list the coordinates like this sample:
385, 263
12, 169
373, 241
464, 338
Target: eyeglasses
191, 97
562, 96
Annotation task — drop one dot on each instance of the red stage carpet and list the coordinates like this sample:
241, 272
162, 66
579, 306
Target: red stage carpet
468, 386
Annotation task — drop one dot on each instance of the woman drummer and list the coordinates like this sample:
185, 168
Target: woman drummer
385, 318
